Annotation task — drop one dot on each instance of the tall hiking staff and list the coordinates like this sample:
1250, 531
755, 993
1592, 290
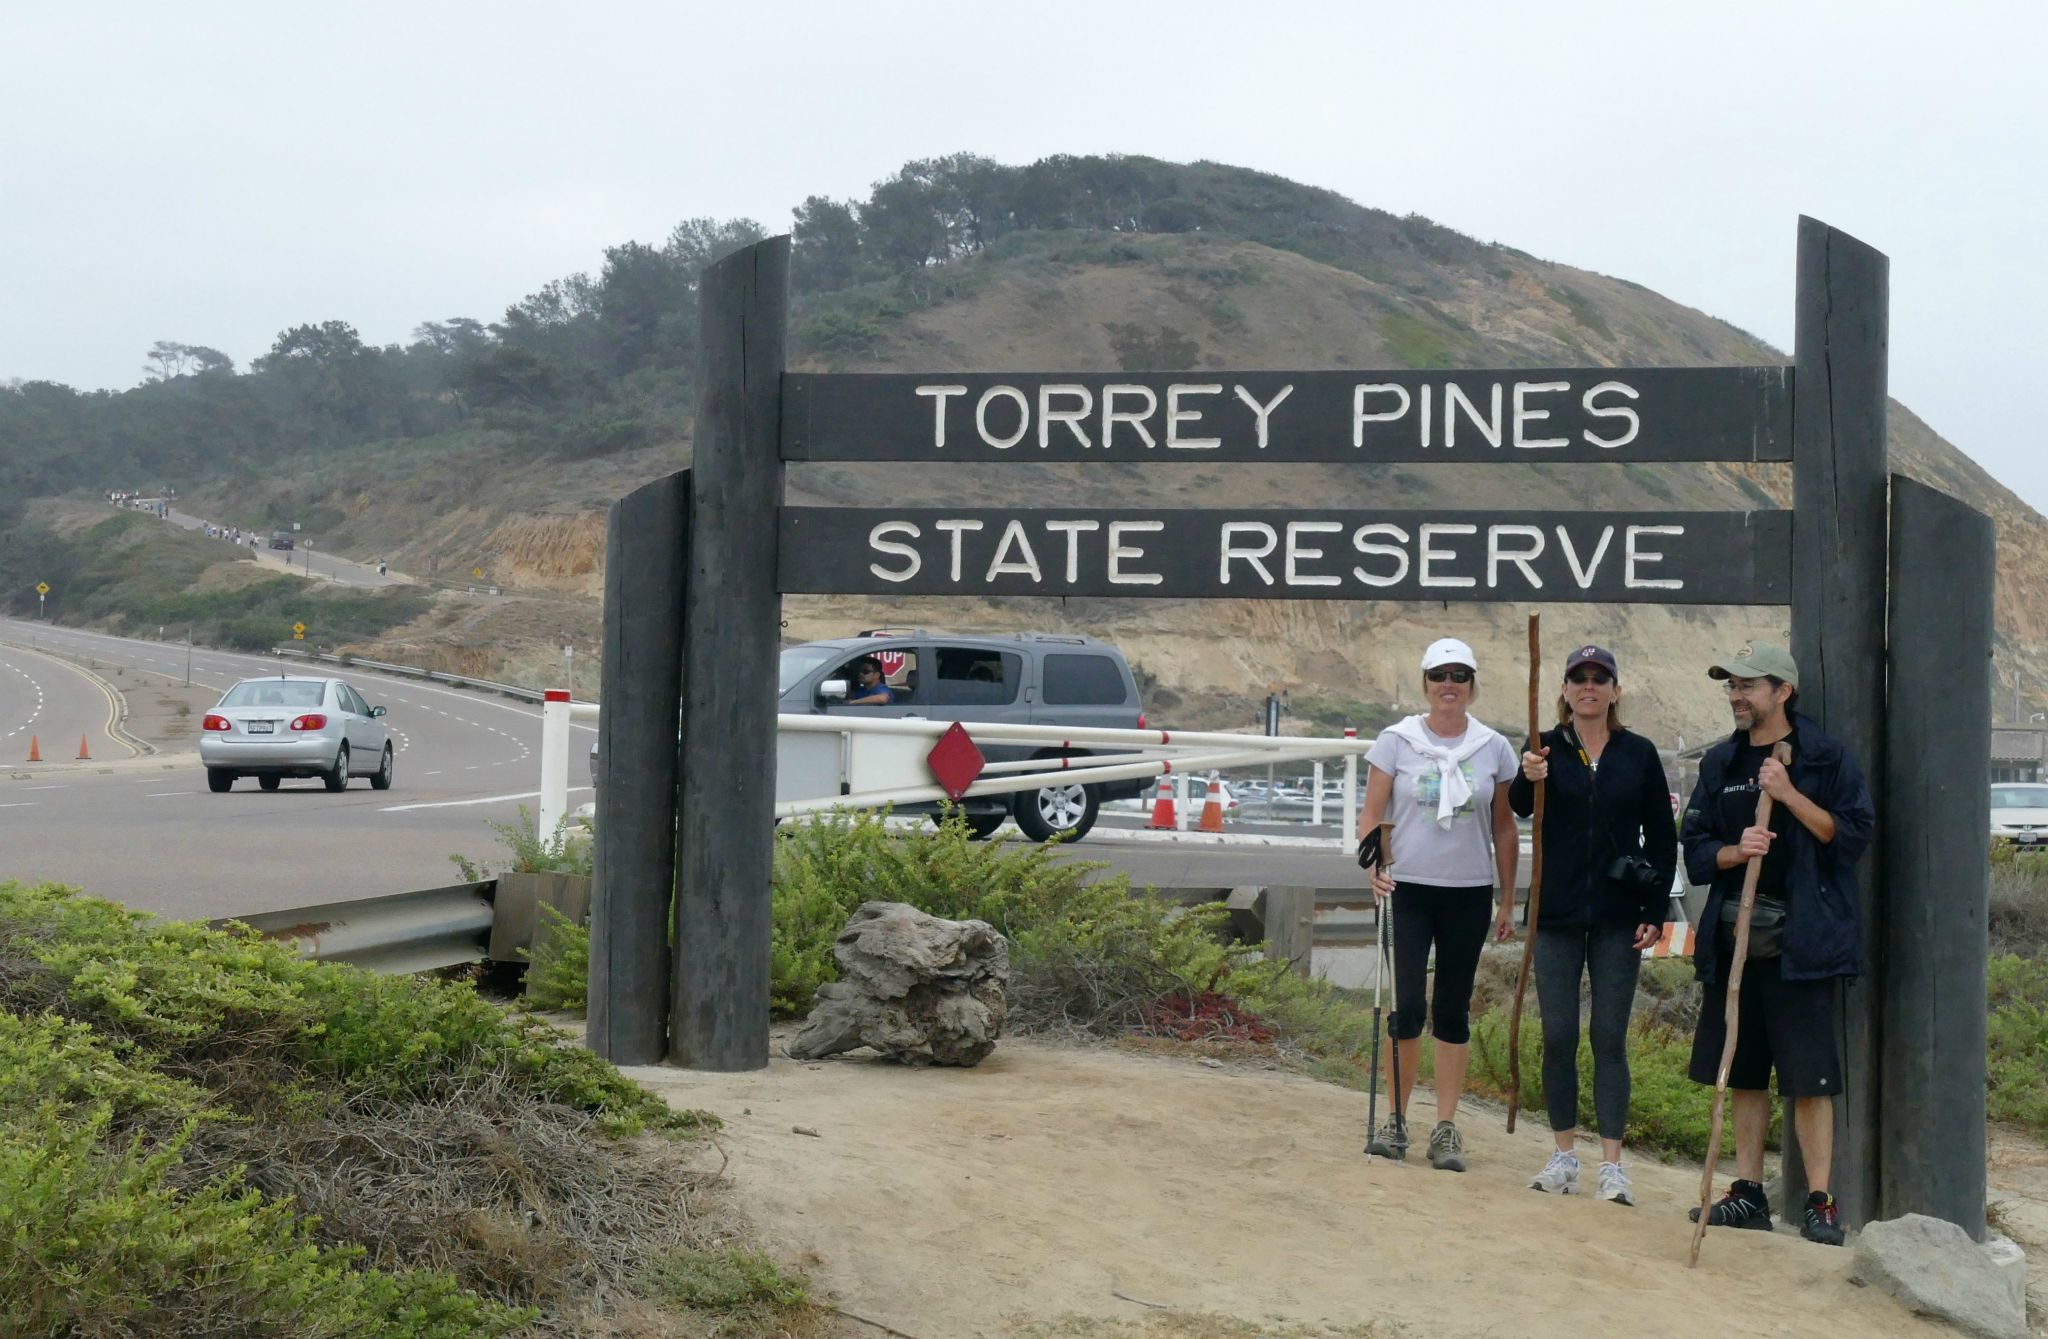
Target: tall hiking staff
1535, 879
1755, 868
1374, 852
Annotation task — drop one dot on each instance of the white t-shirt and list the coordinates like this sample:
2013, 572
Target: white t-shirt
1458, 856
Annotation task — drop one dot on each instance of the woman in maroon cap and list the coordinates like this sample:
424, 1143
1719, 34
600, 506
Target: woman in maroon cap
1610, 849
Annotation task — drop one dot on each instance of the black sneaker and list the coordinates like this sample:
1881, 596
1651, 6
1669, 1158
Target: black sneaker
1822, 1224
1743, 1206
1389, 1141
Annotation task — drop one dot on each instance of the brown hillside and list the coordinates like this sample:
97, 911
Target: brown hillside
1070, 303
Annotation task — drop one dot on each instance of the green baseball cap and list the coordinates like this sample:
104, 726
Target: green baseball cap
1757, 660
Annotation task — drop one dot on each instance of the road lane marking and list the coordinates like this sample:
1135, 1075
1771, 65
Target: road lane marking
161, 794
20, 804
457, 804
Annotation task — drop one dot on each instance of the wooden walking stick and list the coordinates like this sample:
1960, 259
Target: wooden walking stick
1732, 1012
1535, 879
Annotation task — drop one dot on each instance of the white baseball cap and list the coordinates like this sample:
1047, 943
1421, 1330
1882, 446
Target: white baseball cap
1449, 651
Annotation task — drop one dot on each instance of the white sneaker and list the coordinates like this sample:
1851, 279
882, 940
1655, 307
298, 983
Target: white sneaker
1614, 1184
1560, 1176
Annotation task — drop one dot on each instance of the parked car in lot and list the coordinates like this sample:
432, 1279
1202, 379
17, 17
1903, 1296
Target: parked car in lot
1003, 678
294, 725
2019, 813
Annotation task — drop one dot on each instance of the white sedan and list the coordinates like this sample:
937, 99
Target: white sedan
2019, 813
294, 725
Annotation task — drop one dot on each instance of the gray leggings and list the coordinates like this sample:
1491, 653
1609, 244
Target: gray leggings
1605, 953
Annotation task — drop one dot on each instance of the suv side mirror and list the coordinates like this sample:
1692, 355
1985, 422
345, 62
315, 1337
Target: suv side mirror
835, 689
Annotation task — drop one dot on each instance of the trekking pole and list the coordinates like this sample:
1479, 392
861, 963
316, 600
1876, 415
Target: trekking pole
1535, 881
1732, 1012
1393, 1042
1379, 981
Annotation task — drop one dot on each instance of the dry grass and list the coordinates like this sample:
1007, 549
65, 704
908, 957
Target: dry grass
521, 1200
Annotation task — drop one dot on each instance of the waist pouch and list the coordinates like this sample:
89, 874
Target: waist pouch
1766, 927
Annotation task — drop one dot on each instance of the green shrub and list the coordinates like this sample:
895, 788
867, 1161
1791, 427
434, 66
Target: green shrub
726, 1280
97, 1241
201, 997
2017, 1042
558, 977
563, 851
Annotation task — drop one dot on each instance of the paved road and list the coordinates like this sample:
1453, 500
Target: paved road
305, 560
147, 832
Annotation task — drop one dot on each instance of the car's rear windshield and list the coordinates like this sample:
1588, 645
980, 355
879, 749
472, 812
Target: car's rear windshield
274, 693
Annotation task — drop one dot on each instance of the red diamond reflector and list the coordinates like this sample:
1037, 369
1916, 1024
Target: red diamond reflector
955, 761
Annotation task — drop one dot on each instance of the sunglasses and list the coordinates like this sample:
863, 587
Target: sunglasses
1601, 677
1454, 675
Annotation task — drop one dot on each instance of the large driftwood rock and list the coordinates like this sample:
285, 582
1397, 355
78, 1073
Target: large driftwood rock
916, 988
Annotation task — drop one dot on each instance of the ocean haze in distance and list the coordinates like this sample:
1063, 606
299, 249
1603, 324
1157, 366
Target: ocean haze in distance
213, 176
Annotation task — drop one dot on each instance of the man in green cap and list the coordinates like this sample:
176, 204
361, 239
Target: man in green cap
1805, 931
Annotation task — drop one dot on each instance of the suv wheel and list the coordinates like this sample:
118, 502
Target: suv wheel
1066, 810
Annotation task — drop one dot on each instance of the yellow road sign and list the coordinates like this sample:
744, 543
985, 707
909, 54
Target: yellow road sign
42, 588
298, 636
476, 571
298, 630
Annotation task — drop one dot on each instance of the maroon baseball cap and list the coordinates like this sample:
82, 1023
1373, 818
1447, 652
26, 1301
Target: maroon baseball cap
1591, 655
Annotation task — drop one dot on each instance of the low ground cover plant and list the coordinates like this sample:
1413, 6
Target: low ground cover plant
202, 1134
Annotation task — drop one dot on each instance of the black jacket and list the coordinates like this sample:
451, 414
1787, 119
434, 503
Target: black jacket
1823, 934
1587, 822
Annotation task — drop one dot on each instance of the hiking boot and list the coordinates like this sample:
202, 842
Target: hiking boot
1560, 1176
1389, 1141
1821, 1223
1743, 1206
1614, 1186
1446, 1149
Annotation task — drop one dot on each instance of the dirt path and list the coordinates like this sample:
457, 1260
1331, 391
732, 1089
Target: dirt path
1032, 1191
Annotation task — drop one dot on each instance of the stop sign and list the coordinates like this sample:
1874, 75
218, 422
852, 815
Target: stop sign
892, 663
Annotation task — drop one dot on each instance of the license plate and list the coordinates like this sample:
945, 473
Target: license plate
261, 727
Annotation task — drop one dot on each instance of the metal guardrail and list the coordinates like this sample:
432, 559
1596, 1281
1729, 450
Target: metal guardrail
415, 672
403, 933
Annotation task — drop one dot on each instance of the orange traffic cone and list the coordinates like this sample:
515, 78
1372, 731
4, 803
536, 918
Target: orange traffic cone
84, 755
1212, 807
35, 751
1162, 805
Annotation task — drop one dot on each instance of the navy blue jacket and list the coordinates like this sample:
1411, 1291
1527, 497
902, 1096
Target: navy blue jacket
1587, 824
1823, 934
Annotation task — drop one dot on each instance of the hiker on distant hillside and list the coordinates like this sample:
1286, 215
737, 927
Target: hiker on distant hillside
1806, 929
1442, 779
1610, 851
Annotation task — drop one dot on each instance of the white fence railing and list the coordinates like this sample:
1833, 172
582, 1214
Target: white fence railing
831, 762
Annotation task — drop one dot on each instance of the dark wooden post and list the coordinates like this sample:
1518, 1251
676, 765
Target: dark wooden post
1839, 474
732, 639
635, 859
1937, 849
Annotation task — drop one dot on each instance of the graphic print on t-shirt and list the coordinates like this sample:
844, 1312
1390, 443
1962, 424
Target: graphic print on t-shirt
1429, 789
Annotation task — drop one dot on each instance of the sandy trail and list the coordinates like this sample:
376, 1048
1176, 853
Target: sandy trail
952, 1204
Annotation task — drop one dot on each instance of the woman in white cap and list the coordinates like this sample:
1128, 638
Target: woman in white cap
1610, 849
1441, 779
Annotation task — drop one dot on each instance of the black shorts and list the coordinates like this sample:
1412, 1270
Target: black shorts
1787, 1025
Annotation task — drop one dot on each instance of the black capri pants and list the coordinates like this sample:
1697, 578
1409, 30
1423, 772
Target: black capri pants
1454, 922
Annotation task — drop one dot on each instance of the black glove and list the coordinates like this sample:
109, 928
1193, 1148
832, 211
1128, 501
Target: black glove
1369, 850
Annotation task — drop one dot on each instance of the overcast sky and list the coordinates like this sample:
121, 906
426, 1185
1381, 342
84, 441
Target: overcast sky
214, 173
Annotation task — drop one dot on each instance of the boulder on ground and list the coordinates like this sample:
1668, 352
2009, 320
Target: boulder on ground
918, 989
1932, 1266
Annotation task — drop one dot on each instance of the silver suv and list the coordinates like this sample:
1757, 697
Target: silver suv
1028, 678
1025, 678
